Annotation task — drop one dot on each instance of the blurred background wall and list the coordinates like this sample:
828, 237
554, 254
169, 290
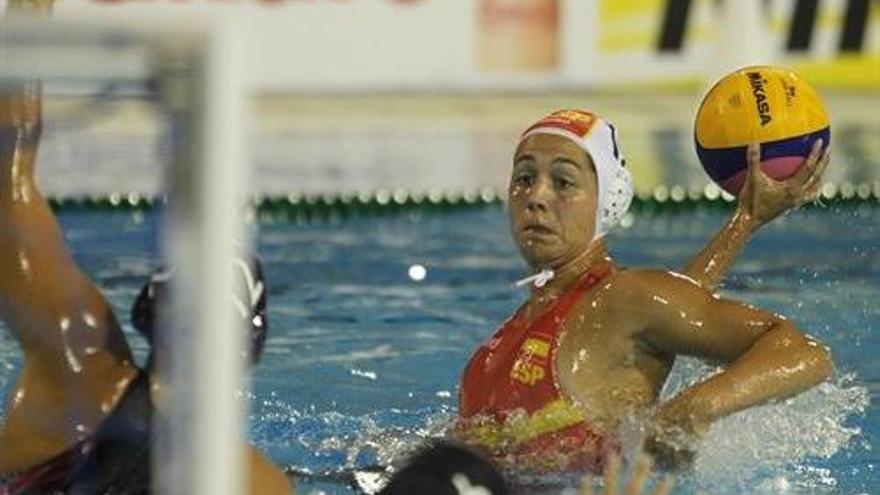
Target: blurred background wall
430, 95
354, 45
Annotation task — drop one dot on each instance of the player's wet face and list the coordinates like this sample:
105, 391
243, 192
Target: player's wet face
552, 200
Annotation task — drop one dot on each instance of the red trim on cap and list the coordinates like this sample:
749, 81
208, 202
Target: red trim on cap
574, 121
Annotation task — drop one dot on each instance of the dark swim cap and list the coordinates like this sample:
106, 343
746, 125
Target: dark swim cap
249, 301
446, 468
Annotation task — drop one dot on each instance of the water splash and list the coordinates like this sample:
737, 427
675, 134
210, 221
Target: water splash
776, 448
331, 443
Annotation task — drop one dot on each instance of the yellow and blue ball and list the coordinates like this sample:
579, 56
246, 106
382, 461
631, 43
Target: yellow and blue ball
771, 105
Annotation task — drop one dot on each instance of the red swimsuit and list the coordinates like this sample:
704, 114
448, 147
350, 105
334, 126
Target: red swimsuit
511, 401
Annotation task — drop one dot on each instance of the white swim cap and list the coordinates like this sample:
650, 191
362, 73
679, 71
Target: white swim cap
599, 139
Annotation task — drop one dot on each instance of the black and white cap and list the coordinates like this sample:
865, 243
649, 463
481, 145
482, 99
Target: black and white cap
249, 301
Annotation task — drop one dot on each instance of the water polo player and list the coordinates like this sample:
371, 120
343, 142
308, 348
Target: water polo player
595, 342
79, 417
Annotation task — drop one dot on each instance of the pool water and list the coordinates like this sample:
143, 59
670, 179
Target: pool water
362, 362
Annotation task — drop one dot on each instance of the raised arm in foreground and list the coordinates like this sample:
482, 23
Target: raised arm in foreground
76, 361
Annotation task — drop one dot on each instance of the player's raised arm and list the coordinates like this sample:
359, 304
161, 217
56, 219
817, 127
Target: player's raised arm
762, 199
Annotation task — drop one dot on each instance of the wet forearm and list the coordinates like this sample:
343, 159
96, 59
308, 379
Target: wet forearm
20, 126
20, 113
20, 120
780, 364
710, 264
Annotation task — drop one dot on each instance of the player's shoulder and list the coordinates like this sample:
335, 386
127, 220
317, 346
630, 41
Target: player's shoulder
643, 282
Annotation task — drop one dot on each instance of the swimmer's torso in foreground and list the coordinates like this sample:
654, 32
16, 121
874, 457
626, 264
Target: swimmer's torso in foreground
115, 459
511, 401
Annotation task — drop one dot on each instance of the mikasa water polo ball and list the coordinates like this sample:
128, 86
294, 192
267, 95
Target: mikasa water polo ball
771, 105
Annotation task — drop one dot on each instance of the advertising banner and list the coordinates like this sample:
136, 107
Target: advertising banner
389, 45
834, 43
